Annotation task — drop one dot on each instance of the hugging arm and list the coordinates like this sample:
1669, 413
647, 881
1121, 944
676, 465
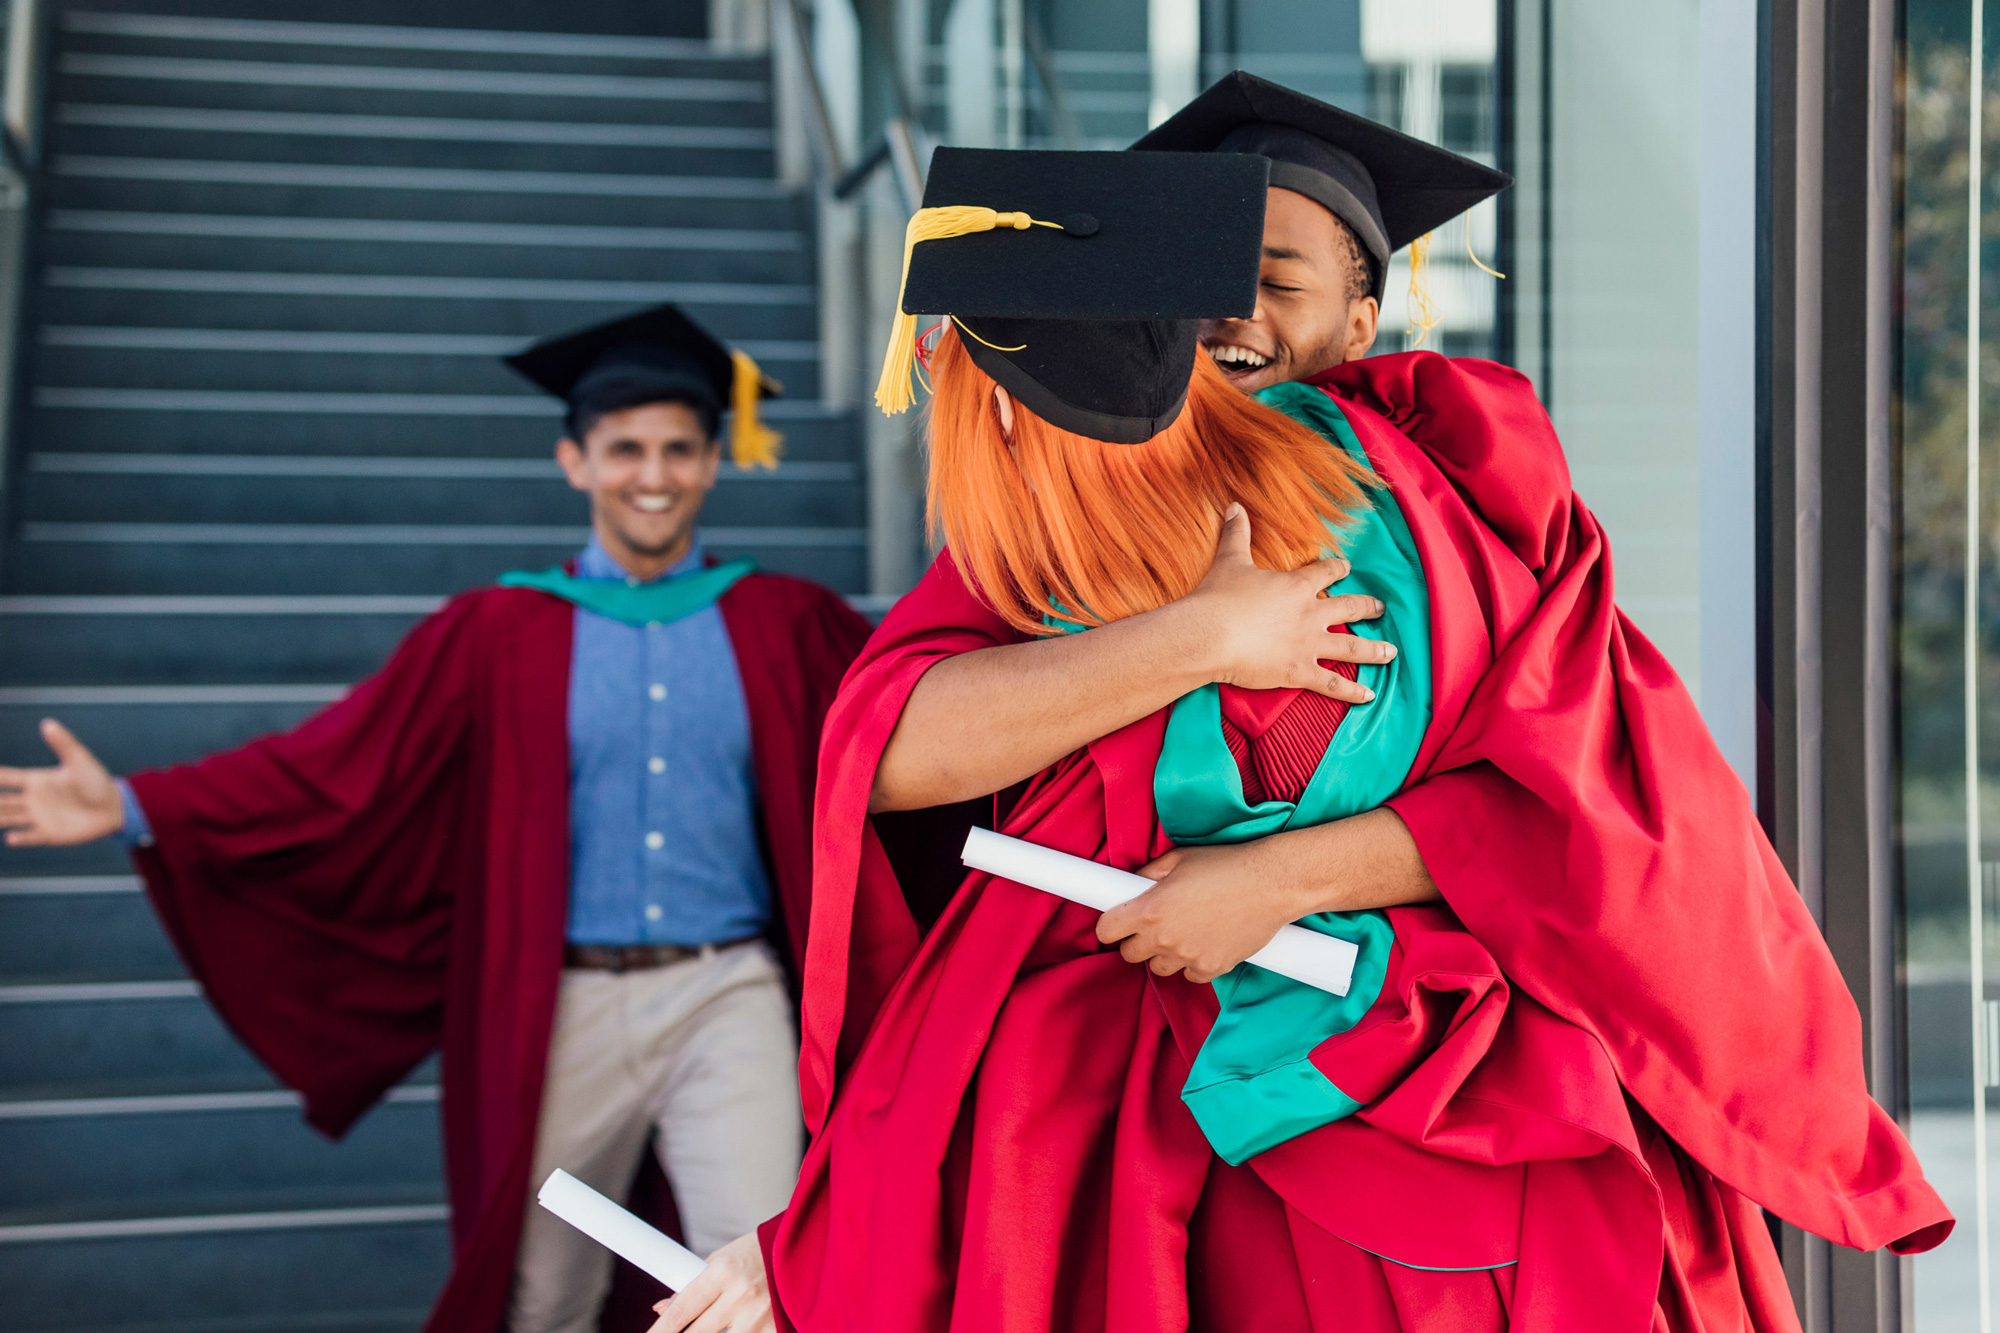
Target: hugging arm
982, 721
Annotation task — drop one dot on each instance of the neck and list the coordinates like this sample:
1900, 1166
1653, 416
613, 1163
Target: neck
643, 565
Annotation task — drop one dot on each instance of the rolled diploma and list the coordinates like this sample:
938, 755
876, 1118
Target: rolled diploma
1303, 955
618, 1231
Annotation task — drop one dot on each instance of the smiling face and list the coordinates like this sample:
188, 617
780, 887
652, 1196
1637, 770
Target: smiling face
647, 470
1313, 308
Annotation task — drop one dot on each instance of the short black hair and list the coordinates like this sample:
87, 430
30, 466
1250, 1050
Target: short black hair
1361, 275
596, 401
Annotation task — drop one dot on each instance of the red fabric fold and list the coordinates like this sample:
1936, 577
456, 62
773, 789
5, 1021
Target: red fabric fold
391, 877
999, 1144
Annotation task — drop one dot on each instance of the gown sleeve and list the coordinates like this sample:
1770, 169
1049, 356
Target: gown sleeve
307, 878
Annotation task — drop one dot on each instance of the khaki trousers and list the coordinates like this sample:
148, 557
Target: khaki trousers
703, 1055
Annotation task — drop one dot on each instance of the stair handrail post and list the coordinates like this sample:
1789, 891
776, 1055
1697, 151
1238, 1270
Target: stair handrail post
20, 154
799, 84
1063, 120
21, 108
861, 210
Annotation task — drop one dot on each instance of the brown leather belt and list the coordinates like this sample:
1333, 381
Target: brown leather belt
639, 957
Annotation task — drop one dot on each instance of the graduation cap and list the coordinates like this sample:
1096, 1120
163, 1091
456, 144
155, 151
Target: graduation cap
1076, 279
655, 356
1390, 188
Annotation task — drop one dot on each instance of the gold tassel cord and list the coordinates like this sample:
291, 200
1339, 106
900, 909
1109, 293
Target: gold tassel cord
893, 392
751, 442
1424, 314
976, 338
1477, 262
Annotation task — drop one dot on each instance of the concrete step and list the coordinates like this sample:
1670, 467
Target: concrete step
177, 421
104, 32
31, 865
337, 362
270, 1261
70, 641
140, 488
404, 90
78, 928
574, 20
100, 558
177, 243
410, 141
61, 1037
163, 297
156, 1152
65, 642
318, 189
146, 726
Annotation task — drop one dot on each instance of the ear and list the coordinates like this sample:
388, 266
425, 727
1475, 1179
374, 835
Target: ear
1004, 405
571, 458
1363, 317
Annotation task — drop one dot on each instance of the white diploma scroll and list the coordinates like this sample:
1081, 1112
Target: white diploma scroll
618, 1231
1303, 955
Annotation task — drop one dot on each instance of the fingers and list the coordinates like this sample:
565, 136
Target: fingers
689, 1302
1232, 544
1118, 923
1354, 648
717, 1318
1348, 608
67, 747
14, 812
1336, 686
1325, 573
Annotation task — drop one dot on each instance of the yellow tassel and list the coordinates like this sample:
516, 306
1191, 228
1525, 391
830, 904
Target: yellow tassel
893, 392
1477, 262
751, 442
1424, 315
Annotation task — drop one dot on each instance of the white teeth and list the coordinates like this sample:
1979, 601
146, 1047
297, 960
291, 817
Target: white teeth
652, 504
1228, 355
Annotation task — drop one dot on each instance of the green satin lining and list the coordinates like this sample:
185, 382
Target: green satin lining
657, 603
1252, 1085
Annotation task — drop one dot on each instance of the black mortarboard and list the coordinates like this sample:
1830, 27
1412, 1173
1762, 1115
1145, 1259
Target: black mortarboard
656, 355
1080, 295
1387, 186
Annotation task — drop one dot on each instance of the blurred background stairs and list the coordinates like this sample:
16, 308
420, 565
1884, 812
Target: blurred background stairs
263, 431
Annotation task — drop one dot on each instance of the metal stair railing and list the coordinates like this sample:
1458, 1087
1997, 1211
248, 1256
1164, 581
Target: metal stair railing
861, 219
20, 152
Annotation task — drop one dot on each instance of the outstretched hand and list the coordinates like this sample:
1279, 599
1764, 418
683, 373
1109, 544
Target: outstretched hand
76, 801
1270, 630
730, 1294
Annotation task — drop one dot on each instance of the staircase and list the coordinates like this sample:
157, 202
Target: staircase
263, 432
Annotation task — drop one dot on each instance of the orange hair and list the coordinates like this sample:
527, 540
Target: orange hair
1106, 531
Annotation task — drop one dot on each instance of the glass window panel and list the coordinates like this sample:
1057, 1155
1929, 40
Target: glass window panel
1947, 901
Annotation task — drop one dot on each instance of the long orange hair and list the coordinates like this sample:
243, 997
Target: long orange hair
1105, 531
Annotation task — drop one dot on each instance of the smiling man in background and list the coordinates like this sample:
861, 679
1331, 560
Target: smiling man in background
557, 836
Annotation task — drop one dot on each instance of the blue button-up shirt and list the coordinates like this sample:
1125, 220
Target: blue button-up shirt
663, 802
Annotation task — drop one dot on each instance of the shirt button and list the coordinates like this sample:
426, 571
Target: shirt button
653, 911
656, 765
655, 841
657, 693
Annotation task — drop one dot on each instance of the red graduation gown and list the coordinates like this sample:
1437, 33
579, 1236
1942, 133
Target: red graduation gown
1617, 1035
391, 877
